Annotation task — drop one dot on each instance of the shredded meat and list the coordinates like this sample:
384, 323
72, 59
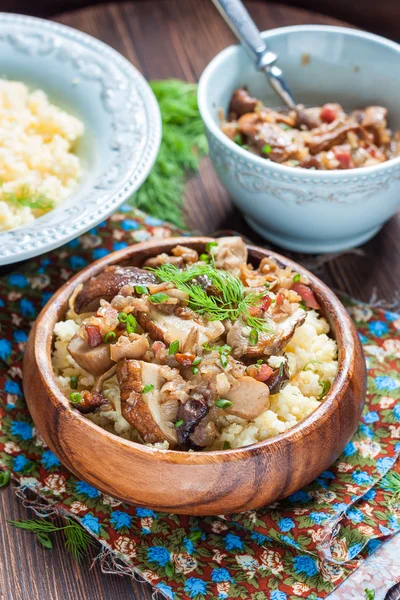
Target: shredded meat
319, 137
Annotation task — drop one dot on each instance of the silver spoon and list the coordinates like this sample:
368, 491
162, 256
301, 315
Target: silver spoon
243, 26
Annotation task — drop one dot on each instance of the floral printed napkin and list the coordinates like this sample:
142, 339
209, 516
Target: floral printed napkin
302, 547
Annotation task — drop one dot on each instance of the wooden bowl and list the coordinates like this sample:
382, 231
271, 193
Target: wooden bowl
203, 483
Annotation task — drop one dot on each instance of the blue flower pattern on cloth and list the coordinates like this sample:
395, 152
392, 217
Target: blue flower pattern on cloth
87, 490
120, 519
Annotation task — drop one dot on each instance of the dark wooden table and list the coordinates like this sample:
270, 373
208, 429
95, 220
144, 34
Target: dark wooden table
172, 38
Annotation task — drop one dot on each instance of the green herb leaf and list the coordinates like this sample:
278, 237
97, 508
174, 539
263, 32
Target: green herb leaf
296, 278
204, 258
110, 337
224, 361
141, 289
208, 348
238, 139
280, 372
26, 196
311, 362
253, 337
285, 127
149, 387
73, 382
179, 423
260, 361
45, 541
174, 347
197, 360
223, 403
195, 370
183, 144
75, 398
232, 301
225, 349
267, 149
369, 594
131, 324
5, 477
158, 298
227, 445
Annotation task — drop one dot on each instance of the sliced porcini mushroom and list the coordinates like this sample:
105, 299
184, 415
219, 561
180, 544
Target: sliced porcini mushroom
125, 347
107, 284
230, 253
268, 343
190, 413
142, 408
164, 259
249, 398
95, 360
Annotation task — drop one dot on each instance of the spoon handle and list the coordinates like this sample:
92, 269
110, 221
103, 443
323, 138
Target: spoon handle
243, 26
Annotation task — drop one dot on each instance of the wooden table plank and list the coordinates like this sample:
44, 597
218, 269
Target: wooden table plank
171, 38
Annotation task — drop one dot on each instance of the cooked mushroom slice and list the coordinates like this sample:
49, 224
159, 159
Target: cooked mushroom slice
134, 346
230, 253
191, 413
204, 433
140, 384
164, 259
278, 378
242, 103
90, 401
95, 360
107, 284
249, 398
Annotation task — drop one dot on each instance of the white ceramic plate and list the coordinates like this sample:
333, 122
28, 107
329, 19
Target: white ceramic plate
121, 116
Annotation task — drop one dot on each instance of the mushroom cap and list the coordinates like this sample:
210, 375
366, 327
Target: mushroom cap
93, 360
249, 398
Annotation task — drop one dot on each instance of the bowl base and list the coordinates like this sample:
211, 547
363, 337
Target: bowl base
309, 246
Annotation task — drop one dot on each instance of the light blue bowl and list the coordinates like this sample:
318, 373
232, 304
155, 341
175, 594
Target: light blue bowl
299, 209
121, 116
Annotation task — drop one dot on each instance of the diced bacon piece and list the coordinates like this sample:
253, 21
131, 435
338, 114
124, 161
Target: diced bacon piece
307, 295
279, 299
343, 155
266, 303
329, 112
93, 336
185, 359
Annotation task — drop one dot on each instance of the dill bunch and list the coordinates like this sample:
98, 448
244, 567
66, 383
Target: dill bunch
232, 302
183, 144
76, 538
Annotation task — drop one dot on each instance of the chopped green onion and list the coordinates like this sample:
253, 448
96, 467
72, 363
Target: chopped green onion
208, 348
267, 285
210, 245
5, 477
260, 361
245, 147
326, 386
141, 289
73, 382
302, 305
75, 398
158, 298
296, 278
204, 258
223, 403
284, 126
131, 324
195, 370
238, 139
197, 360
225, 349
110, 337
149, 387
311, 362
174, 347
122, 317
280, 372
253, 337
179, 423
224, 361
227, 445
267, 149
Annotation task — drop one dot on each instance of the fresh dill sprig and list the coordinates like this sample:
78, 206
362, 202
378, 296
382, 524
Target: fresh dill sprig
183, 144
25, 196
232, 302
77, 540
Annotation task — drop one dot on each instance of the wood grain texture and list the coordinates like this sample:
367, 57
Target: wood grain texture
28, 571
201, 483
